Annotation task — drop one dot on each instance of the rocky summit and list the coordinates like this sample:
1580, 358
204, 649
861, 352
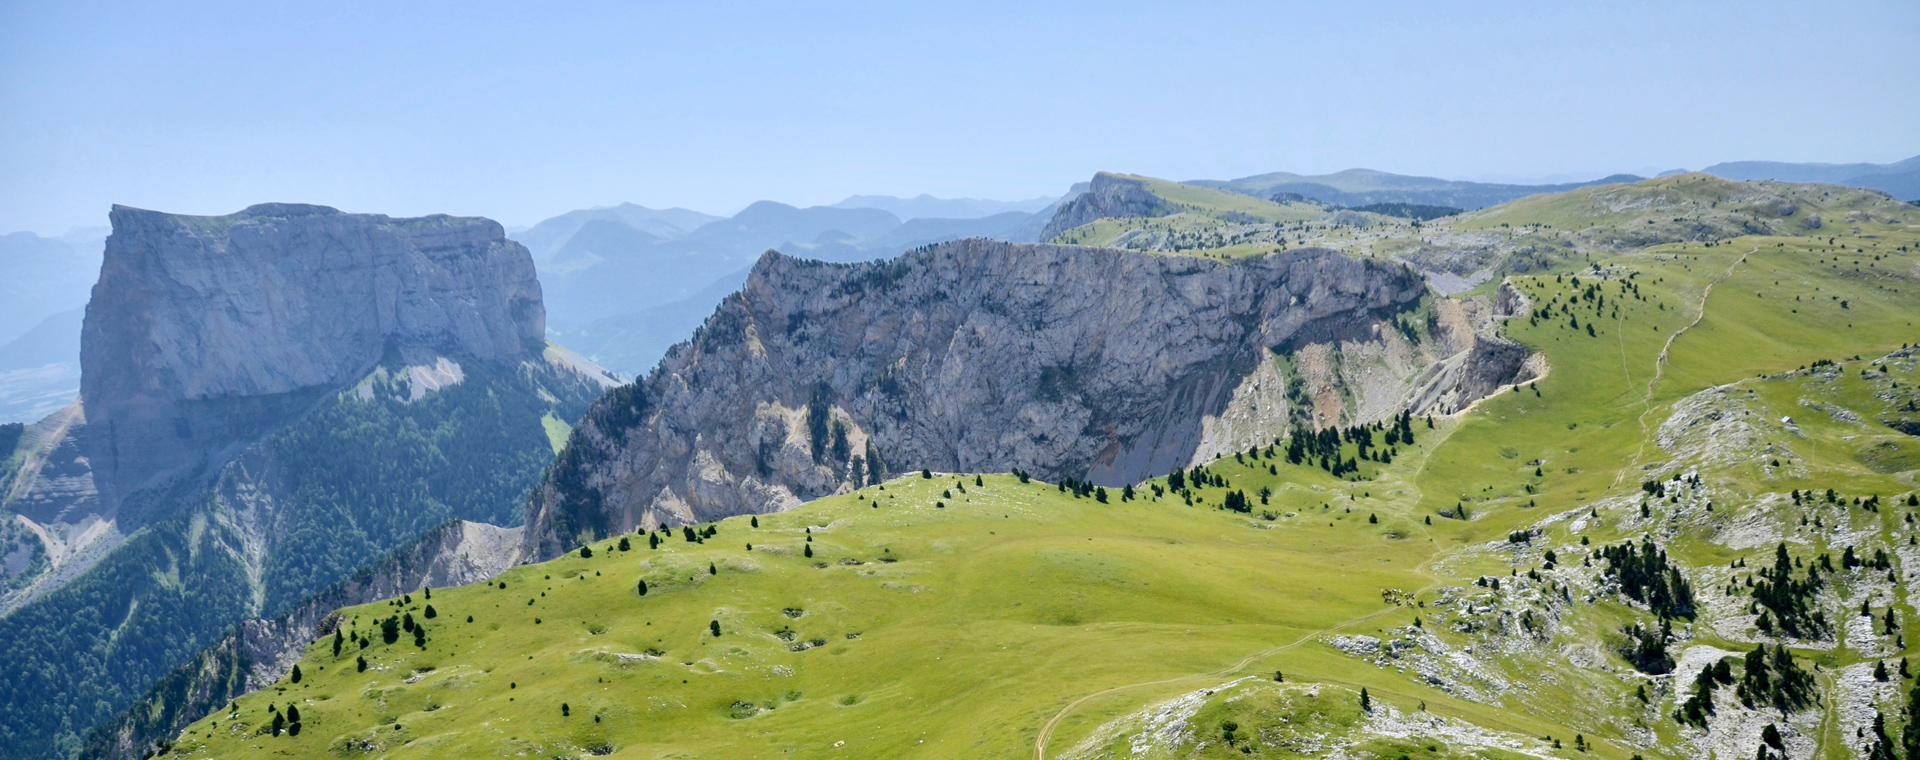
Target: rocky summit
980, 355
270, 401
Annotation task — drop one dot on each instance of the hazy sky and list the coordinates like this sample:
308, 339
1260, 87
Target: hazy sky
522, 110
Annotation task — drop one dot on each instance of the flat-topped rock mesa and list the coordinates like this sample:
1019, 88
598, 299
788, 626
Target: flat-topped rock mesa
205, 331
281, 297
271, 400
984, 356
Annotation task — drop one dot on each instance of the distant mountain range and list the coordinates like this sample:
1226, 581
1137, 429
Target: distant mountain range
1900, 179
925, 206
624, 283
1365, 187
44, 282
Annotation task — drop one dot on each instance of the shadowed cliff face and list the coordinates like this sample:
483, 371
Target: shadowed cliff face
270, 401
1109, 195
205, 332
969, 356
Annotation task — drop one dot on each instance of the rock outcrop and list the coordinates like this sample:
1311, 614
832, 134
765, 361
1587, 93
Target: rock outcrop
969, 356
1110, 195
205, 332
270, 401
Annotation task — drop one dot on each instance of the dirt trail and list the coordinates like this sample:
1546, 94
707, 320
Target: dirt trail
1660, 364
1046, 731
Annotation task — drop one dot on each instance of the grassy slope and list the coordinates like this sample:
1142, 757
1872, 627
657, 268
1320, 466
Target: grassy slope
1018, 605
1207, 221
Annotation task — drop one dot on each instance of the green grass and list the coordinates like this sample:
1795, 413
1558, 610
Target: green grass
557, 432
969, 630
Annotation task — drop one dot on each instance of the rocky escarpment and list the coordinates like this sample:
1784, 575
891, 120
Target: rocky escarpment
969, 356
271, 401
205, 331
1109, 195
258, 652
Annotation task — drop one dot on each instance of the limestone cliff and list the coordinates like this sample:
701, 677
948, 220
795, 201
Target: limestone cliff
270, 401
206, 331
968, 356
1109, 195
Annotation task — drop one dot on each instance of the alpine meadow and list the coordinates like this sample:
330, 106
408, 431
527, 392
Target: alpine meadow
840, 381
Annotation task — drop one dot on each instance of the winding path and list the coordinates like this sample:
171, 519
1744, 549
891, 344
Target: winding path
1046, 731
1660, 363
1659, 370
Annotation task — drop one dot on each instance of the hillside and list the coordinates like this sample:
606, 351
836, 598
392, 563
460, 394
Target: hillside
1532, 234
1704, 404
1363, 187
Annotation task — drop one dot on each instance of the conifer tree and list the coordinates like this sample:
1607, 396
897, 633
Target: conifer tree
295, 675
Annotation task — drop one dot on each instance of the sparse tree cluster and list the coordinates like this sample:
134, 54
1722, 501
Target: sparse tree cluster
1647, 576
1790, 604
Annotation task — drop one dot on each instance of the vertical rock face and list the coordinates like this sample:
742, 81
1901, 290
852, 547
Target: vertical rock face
204, 331
969, 356
1109, 195
270, 401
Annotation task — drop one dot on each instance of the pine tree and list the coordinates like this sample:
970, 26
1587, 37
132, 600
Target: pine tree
293, 714
624, 546
1366, 702
714, 625
1910, 738
338, 640
755, 520
362, 664
586, 552
430, 612
711, 570
295, 675
809, 551
1882, 747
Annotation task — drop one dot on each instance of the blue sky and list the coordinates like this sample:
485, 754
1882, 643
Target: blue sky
523, 110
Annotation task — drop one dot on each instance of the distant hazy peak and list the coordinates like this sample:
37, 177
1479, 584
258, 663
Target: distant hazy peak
924, 206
